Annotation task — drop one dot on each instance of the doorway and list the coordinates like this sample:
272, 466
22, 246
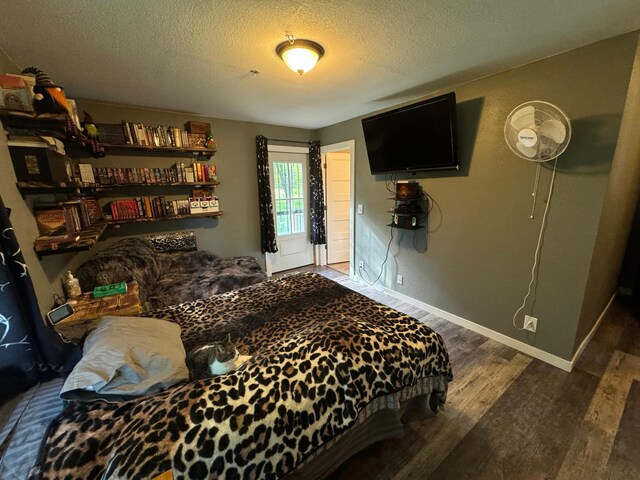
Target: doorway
289, 167
339, 167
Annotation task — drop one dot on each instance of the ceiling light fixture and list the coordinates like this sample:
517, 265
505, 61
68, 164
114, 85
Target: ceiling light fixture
298, 54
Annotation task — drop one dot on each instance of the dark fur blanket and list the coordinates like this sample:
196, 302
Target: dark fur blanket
168, 278
321, 354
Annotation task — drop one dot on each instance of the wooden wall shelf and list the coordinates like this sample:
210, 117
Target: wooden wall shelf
34, 188
61, 119
158, 219
90, 236
148, 149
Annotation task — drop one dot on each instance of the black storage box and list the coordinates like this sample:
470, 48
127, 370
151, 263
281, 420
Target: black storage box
40, 165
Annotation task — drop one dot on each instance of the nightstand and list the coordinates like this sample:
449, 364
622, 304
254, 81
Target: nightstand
87, 309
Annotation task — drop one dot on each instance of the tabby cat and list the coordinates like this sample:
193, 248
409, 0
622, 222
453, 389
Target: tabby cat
216, 358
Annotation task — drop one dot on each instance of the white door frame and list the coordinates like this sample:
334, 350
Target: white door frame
282, 149
351, 146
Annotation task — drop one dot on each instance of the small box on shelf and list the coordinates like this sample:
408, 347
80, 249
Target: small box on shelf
35, 162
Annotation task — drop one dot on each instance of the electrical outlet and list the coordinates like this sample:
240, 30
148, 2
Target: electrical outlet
361, 265
399, 279
360, 209
530, 323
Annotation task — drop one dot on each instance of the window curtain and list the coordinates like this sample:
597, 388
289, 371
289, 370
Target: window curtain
267, 226
29, 350
316, 195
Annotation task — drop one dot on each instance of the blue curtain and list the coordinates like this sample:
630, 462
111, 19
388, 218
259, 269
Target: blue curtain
316, 195
267, 225
29, 350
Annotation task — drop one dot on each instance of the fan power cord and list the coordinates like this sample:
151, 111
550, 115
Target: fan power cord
386, 257
536, 256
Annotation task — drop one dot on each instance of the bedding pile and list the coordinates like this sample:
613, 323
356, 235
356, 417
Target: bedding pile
167, 278
321, 353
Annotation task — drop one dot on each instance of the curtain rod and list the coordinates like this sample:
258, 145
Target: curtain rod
289, 141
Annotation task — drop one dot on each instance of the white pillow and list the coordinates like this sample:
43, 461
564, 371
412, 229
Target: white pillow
125, 357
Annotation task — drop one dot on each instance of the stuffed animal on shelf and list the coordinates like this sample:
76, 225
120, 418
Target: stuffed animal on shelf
47, 96
93, 135
50, 98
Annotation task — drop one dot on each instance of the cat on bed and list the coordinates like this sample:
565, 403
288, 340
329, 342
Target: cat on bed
215, 358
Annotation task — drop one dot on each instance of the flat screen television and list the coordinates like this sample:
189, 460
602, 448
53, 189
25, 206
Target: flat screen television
414, 138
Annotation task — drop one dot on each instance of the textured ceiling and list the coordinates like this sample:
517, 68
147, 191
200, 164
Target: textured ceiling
195, 56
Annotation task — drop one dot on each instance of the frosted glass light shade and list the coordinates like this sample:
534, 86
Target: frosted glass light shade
301, 55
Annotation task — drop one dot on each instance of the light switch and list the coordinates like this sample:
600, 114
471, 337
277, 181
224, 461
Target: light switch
360, 209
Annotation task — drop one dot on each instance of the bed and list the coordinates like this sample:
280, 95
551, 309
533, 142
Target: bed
327, 364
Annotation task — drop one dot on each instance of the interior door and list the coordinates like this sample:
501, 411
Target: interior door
290, 193
338, 207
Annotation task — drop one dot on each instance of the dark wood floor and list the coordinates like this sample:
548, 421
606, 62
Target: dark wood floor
509, 416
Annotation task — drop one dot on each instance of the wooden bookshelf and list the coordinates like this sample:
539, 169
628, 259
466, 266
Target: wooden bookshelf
167, 217
88, 238
91, 235
34, 119
148, 149
32, 188
55, 117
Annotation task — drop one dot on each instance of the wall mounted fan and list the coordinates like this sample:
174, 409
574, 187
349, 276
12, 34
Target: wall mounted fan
537, 131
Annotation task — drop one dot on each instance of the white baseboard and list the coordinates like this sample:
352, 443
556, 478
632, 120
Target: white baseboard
588, 338
546, 357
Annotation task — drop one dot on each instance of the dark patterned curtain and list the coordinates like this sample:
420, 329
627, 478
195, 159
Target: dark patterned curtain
29, 350
267, 227
316, 195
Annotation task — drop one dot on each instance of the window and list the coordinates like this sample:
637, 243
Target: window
288, 181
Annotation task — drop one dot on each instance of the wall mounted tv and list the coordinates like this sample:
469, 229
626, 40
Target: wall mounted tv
414, 138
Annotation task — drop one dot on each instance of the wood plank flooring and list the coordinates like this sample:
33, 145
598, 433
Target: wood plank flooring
509, 416
340, 267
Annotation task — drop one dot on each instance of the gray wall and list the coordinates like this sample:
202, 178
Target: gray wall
21, 216
235, 233
618, 210
482, 241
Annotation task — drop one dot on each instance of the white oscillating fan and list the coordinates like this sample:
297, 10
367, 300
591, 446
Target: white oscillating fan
537, 131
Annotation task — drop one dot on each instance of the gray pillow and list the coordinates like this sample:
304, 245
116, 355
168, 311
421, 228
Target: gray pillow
125, 357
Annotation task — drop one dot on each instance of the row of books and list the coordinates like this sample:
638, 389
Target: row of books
159, 136
61, 222
69, 216
179, 173
147, 207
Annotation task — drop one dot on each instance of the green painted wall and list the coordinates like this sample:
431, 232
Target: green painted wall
236, 233
619, 205
482, 241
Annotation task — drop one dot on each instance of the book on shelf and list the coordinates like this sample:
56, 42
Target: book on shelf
70, 216
179, 173
49, 217
86, 173
130, 133
113, 134
147, 207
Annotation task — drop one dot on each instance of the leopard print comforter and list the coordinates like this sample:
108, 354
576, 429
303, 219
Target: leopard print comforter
320, 354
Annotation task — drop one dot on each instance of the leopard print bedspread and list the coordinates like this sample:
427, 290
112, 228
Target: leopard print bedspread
320, 354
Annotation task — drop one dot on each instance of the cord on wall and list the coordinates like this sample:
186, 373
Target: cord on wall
537, 252
386, 257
